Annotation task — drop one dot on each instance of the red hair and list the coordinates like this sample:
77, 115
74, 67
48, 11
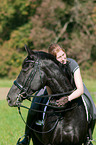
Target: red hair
54, 49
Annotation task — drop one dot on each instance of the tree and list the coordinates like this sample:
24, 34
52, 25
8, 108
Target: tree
15, 29
68, 23
46, 23
38, 23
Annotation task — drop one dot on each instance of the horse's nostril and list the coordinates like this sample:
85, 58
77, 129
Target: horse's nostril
10, 103
8, 98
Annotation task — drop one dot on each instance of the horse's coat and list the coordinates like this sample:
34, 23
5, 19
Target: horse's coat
72, 126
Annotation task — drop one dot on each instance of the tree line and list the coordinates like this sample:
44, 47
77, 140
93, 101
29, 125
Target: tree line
38, 23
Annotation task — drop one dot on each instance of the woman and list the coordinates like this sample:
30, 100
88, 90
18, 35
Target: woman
60, 55
76, 78
76, 81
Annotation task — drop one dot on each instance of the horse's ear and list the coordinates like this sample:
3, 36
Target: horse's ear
29, 51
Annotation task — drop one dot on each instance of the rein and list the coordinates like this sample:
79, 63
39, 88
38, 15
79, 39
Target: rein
23, 91
53, 95
34, 129
43, 96
30, 79
39, 111
43, 112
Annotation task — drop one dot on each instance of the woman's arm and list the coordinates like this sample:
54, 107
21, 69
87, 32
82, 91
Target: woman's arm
77, 93
79, 85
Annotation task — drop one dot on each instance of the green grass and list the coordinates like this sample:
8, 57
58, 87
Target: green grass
6, 83
90, 84
11, 124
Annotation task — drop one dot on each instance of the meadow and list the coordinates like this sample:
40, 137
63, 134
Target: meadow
11, 124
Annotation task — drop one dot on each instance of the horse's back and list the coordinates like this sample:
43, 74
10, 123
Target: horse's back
71, 127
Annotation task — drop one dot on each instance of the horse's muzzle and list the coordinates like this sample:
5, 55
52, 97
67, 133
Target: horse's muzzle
15, 103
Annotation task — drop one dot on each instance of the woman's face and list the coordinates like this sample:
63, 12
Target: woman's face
61, 57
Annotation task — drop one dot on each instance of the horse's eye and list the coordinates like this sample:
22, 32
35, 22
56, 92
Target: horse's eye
25, 66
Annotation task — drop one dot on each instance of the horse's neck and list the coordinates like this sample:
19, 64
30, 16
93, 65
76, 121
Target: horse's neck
57, 81
58, 87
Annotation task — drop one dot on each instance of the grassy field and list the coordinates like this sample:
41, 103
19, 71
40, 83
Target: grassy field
90, 84
5, 83
11, 124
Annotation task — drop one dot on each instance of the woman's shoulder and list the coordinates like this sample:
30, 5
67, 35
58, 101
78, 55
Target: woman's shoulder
73, 64
71, 60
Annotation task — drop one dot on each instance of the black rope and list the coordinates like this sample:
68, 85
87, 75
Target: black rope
53, 95
39, 111
34, 129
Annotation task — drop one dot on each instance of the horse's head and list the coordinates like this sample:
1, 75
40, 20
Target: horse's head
29, 80
39, 69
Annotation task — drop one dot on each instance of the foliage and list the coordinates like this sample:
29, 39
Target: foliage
38, 23
15, 14
15, 29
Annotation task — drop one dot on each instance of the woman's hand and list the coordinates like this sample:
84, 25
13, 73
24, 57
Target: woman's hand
62, 101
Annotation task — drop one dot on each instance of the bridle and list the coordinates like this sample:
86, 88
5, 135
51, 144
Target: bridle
29, 80
24, 90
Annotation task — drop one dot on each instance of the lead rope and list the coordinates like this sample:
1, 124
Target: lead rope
34, 129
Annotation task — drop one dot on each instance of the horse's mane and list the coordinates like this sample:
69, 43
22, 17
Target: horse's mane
47, 56
63, 68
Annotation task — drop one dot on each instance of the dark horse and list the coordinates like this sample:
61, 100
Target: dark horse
41, 69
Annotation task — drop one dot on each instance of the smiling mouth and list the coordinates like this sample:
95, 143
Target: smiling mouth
63, 61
